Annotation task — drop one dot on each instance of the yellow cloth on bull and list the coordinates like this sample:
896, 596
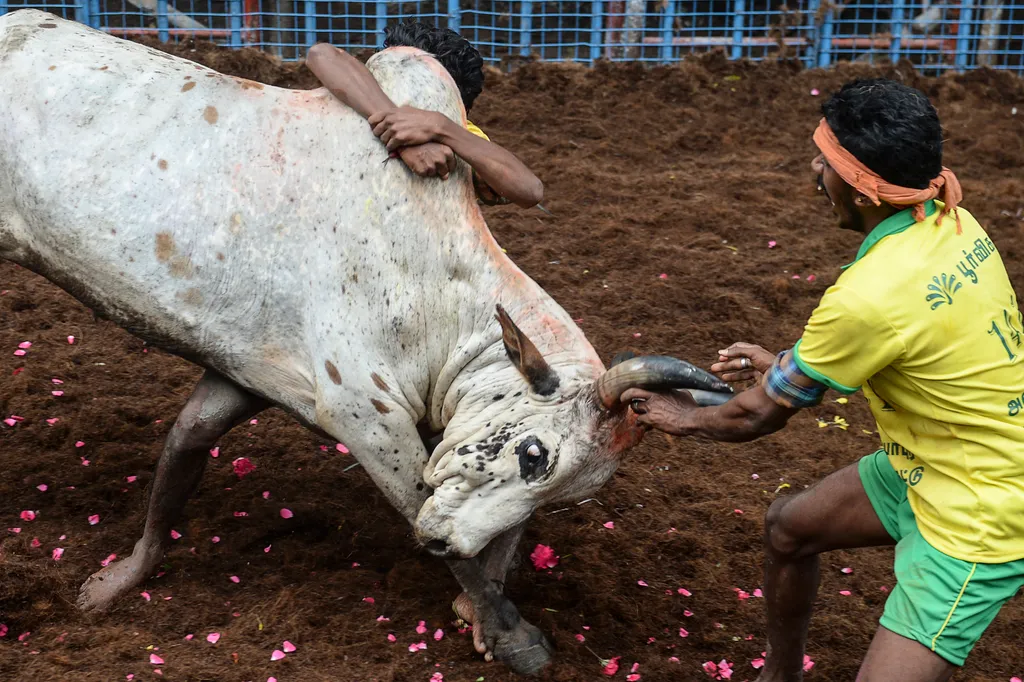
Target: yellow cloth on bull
927, 323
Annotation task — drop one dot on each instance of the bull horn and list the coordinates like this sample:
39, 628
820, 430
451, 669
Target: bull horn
655, 373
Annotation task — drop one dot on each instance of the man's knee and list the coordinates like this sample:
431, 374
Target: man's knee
782, 536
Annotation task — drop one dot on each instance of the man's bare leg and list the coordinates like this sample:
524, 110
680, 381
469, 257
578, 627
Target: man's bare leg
215, 407
893, 658
833, 514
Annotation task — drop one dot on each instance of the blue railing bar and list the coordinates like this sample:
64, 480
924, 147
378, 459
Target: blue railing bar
161, 21
811, 59
525, 26
81, 11
454, 16
825, 40
382, 21
897, 30
94, 13
668, 18
737, 29
236, 23
310, 23
596, 22
963, 34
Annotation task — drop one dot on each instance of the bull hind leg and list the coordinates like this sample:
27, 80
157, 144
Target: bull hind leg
214, 408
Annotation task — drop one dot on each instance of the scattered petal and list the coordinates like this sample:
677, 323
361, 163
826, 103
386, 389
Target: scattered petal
235, 579
371, 600
11, 421
845, 593
131, 479
254, 422
738, 511
754, 476
438, 635
56, 381
145, 595
641, 583
188, 638
632, 677
277, 655
815, 92
685, 592
58, 552
71, 340
266, 494
288, 647
683, 633
710, 668
758, 593
41, 487
215, 452
94, 519
742, 595
757, 663
155, 660
28, 515
673, 659
808, 663
340, 447
811, 278
663, 276
80, 444
286, 514
56, 394
687, 613
392, 638
14, 530
243, 467
19, 353
847, 570
771, 244
266, 550
610, 525
215, 539
240, 514
636, 335
383, 619
611, 667
85, 462
213, 637
25, 345
106, 562
3, 630
543, 557
580, 638
421, 628
35, 543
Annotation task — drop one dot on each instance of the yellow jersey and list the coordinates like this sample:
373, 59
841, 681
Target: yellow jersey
926, 322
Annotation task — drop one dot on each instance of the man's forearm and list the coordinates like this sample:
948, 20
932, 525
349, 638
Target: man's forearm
748, 416
498, 167
348, 79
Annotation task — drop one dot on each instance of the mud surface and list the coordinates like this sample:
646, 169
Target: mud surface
666, 187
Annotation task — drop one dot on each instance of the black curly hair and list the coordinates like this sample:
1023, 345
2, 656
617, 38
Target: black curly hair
891, 128
455, 53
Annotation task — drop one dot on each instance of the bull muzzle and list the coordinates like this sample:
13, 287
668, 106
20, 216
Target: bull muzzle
661, 373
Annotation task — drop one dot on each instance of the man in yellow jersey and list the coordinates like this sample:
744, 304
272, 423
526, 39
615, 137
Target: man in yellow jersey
427, 141
926, 323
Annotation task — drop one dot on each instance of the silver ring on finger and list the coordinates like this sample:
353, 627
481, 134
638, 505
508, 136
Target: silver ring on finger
746, 363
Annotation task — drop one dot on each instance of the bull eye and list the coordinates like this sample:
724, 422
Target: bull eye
533, 460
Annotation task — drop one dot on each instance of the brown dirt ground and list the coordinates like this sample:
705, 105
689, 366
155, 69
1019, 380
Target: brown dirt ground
687, 171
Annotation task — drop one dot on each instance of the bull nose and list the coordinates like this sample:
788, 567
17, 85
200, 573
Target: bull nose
441, 549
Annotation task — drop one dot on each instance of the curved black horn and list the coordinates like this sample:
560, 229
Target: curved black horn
655, 373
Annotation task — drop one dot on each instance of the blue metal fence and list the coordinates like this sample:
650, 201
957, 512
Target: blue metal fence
934, 35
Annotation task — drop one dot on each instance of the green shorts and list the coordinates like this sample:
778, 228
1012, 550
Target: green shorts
943, 603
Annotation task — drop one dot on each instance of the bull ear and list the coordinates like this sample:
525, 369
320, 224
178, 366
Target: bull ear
525, 356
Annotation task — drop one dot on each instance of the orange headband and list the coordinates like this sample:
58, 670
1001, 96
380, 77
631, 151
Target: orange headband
945, 187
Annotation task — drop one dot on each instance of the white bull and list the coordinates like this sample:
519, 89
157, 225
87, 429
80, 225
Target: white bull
260, 233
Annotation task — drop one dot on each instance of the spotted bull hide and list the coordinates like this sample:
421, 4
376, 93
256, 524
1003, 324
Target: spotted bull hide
260, 233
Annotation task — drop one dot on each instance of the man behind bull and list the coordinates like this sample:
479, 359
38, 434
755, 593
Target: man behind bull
925, 321
427, 141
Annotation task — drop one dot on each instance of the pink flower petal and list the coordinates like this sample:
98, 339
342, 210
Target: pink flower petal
1015, 679
215, 539
771, 244
145, 595
636, 335
28, 515
106, 562
754, 476
94, 519
543, 557
737, 511
3, 630
580, 638
392, 638
673, 659
215, 452
811, 278
58, 553
85, 462
213, 637
10, 421
611, 667
371, 600
188, 638
14, 530
610, 525
847, 570
235, 579
663, 275
438, 635
155, 660
815, 92
845, 593
57, 394
56, 381
687, 613
710, 668
685, 592
757, 663
71, 340
340, 447
175, 535
41, 487
642, 583
421, 628
131, 479
288, 647
25, 344
808, 663
632, 677
382, 619
239, 515
277, 655
243, 467
35, 543
19, 353
683, 632
742, 595
758, 593
254, 422
266, 550
266, 494
53, 420
286, 513
80, 444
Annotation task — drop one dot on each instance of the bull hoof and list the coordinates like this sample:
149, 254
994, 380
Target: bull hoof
525, 650
106, 586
